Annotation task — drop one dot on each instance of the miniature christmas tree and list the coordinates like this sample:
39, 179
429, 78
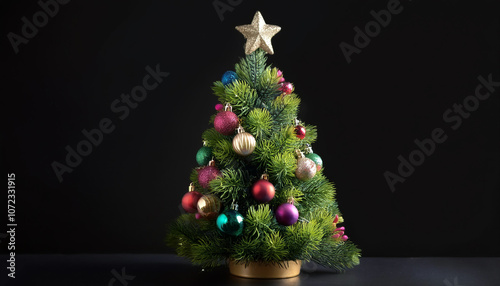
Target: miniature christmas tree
260, 195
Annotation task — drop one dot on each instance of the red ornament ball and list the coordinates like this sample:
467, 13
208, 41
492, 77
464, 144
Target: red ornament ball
207, 174
286, 88
226, 122
190, 201
287, 214
263, 191
300, 131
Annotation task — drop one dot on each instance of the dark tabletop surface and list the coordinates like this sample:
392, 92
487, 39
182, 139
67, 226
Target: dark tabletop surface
167, 269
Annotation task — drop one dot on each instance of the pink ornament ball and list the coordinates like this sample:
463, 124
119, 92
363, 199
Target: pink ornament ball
207, 174
219, 107
226, 122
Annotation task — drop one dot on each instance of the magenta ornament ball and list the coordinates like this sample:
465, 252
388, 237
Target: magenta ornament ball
287, 214
226, 122
207, 174
219, 107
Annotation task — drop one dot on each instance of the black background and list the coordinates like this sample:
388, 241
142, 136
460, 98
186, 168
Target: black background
368, 112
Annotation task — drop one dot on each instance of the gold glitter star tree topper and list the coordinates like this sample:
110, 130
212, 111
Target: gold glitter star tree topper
258, 34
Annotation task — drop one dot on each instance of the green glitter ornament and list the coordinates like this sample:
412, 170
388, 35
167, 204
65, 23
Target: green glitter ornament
204, 155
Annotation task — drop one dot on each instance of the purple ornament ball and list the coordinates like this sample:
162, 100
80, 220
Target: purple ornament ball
287, 214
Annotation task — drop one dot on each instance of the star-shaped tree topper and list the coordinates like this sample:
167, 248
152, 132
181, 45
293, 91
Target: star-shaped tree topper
258, 34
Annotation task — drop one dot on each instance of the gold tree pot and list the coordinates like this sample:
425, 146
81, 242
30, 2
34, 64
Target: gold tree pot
265, 270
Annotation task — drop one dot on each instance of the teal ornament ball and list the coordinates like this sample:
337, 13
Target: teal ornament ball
228, 77
230, 222
204, 155
317, 159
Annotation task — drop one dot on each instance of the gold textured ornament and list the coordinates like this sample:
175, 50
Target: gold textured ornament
243, 142
209, 206
258, 34
265, 270
306, 168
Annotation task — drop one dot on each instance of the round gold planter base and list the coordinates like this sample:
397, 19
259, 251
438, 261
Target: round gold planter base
265, 270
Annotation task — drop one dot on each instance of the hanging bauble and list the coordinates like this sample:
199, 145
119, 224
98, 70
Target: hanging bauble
300, 131
315, 157
230, 222
263, 190
209, 206
204, 155
306, 168
287, 214
219, 107
243, 142
286, 88
207, 174
190, 199
228, 77
226, 121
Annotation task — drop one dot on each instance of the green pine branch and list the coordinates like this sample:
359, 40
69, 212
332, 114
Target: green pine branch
240, 94
336, 255
259, 123
232, 185
251, 67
